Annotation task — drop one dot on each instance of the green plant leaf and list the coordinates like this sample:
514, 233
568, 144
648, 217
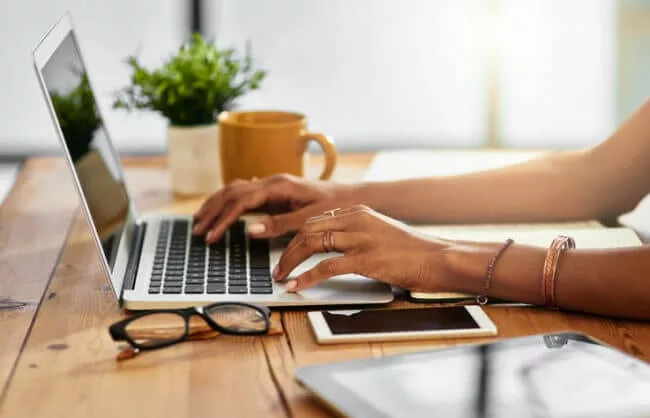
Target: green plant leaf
192, 86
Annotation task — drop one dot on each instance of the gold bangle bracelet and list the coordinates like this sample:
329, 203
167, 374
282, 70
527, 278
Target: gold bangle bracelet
550, 268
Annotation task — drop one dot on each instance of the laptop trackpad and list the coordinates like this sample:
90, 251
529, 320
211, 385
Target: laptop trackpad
334, 287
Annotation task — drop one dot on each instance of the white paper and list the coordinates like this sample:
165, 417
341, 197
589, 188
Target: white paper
397, 165
538, 236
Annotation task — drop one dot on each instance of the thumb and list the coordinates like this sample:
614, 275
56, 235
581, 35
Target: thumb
276, 225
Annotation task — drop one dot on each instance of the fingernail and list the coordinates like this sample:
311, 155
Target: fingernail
291, 285
195, 229
257, 228
209, 236
275, 272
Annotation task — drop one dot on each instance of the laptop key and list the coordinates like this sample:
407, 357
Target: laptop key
194, 281
193, 289
174, 276
154, 290
237, 290
261, 290
171, 290
195, 275
261, 284
216, 274
216, 288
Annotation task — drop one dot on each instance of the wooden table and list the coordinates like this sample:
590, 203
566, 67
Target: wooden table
57, 359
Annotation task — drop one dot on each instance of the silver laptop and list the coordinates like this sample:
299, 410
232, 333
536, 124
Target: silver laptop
153, 261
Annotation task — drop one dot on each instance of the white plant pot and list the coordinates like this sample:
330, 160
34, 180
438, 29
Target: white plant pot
194, 161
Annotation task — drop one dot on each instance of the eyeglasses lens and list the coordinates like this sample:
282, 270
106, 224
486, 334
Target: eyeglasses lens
156, 329
237, 318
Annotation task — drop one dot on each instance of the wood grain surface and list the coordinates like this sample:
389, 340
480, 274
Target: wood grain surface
57, 359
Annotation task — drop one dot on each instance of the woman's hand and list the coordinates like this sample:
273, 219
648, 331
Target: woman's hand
373, 245
294, 198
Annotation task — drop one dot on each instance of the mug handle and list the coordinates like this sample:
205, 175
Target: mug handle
327, 144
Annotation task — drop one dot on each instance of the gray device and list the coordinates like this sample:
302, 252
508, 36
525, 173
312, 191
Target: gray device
567, 375
153, 261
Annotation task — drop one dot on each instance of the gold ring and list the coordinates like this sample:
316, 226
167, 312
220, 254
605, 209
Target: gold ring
328, 242
325, 242
332, 244
331, 212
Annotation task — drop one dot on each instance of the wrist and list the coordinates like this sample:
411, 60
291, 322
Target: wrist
466, 265
370, 194
516, 276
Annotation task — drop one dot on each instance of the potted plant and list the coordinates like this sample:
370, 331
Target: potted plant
190, 90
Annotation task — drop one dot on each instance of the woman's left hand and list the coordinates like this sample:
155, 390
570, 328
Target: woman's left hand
372, 244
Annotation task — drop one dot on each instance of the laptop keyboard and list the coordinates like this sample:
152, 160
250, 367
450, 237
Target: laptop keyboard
185, 264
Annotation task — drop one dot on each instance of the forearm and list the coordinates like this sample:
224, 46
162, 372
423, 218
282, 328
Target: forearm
599, 183
553, 187
607, 282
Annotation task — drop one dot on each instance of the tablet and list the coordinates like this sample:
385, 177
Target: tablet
556, 375
341, 326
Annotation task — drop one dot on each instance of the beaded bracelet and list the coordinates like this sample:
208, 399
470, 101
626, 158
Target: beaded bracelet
482, 299
550, 269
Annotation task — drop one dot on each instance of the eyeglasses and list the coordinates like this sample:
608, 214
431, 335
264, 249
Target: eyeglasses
151, 330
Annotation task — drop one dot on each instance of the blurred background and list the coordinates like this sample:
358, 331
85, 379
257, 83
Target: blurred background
372, 73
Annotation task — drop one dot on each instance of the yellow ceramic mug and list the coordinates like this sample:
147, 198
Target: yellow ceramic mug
263, 143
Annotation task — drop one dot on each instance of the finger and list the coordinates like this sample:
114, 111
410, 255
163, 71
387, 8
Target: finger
304, 246
324, 270
273, 186
351, 220
276, 225
199, 214
233, 193
233, 211
335, 212
215, 197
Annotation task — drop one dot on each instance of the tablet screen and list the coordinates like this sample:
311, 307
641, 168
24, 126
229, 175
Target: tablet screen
566, 375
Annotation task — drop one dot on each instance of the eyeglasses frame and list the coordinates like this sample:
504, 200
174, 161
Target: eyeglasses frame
118, 330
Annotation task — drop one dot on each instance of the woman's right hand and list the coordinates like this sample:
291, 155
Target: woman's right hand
288, 199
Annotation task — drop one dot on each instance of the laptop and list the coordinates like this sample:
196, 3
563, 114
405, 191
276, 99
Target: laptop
154, 261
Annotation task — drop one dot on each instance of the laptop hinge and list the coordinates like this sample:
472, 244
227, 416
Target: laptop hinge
134, 258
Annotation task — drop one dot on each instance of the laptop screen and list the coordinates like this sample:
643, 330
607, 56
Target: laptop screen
95, 163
